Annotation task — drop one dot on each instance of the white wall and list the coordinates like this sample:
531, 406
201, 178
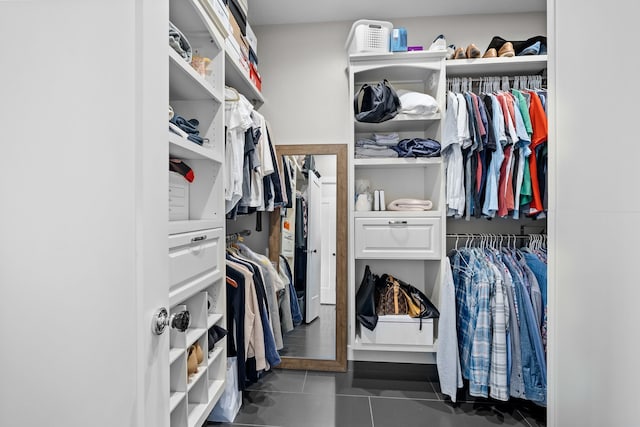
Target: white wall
304, 68
594, 163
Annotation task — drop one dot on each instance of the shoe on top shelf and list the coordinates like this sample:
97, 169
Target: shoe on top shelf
506, 50
459, 54
490, 53
439, 44
473, 51
450, 51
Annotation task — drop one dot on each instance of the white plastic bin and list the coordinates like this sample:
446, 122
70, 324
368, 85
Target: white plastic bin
368, 36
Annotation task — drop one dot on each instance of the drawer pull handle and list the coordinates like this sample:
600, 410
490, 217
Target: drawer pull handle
397, 222
198, 238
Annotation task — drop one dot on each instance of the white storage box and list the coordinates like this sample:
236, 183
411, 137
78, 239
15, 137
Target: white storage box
369, 37
252, 39
178, 197
399, 330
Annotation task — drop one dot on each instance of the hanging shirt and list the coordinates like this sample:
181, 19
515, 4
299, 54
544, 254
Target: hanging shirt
447, 357
540, 134
498, 384
453, 162
491, 201
237, 121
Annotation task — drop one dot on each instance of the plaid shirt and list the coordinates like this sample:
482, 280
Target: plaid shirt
498, 379
473, 293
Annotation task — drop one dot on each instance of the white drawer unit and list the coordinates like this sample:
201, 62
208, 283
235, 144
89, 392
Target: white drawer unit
398, 238
194, 261
399, 330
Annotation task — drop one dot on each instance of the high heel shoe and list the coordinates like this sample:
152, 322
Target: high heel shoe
473, 51
199, 353
459, 54
192, 361
506, 50
490, 53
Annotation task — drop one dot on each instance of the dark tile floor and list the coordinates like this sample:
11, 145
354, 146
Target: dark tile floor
372, 395
315, 340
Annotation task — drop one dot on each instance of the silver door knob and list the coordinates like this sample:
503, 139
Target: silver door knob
179, 321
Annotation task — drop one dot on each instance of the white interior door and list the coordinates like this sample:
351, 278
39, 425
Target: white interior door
314, 247
328, 268
83, 253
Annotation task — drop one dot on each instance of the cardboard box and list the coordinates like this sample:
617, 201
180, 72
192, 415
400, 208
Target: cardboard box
234, 51
237, 35
239, 15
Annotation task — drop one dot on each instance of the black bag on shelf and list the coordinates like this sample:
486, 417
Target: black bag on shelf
427, 309
376, 103
518, 45
365, 300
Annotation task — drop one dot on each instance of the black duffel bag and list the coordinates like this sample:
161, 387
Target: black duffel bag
376, 103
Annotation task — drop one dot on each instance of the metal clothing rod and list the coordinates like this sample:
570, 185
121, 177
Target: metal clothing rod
234, 237
470, 235
484, 79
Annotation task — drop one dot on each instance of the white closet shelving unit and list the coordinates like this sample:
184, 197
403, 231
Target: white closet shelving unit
196, 241
407, 245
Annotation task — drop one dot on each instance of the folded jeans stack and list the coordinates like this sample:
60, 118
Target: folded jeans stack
190, 127
379, 147
418, 147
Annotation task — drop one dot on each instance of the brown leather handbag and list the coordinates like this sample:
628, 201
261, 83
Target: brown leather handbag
392, 299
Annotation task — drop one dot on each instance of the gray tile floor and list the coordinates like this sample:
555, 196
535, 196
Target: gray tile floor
373, 395
315, 340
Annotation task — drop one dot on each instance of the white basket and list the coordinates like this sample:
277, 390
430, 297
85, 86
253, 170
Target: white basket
369, 36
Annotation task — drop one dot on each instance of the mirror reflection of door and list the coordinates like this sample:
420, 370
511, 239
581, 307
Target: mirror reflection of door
314, 247
308, 243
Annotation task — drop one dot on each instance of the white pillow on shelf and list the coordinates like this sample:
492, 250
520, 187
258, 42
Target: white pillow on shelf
416, 103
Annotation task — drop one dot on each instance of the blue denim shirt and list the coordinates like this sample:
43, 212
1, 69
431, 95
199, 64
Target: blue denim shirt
534, 370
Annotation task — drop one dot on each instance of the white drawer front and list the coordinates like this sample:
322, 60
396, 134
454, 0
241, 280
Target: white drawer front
398, 238
193, 255
399, 330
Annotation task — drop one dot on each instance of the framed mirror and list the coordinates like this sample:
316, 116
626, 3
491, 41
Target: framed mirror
308, 241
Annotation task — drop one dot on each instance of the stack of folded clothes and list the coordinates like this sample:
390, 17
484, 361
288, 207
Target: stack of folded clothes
379, 146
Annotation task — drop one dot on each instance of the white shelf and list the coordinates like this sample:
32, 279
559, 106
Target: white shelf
185, 83
177, 227
216, 388
213, 318
400, 123
194, 378
191, 17
533, 64
194, 334
401, 57
237, 77
395, 162
215, 353
175, 397
197, 414
397, 214
174, 354
193, 287
184, 149
359, 346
